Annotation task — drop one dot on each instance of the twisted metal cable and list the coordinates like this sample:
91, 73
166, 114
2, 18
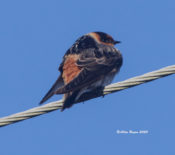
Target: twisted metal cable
108, 89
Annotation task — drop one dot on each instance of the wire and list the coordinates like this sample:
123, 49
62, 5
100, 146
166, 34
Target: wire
108, 89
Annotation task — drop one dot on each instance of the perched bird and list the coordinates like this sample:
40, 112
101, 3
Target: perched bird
91, 63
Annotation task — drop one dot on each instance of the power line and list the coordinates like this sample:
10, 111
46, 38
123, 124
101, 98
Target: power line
108, 90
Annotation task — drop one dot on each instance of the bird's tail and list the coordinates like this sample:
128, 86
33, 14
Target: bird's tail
70, 99
59, 82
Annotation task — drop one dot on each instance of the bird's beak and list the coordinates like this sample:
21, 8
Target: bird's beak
117, 42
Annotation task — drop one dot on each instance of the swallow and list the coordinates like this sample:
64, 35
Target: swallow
90, 63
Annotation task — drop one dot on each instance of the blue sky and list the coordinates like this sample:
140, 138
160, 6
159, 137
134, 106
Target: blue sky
34, 35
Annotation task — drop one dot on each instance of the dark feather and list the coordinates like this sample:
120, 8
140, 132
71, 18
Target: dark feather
59, 82
69, 99
93, 68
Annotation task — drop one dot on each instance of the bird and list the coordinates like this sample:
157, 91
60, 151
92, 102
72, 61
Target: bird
89, 64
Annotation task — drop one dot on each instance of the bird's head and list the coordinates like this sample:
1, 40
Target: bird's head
103, 38
92, 40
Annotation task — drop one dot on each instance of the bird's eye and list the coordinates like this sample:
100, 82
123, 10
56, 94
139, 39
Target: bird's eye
106, 40
103, 40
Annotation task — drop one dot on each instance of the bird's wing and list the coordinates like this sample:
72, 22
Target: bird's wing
58, 83
92, 66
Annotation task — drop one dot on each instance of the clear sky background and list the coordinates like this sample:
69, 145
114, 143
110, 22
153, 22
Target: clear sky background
35, 34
